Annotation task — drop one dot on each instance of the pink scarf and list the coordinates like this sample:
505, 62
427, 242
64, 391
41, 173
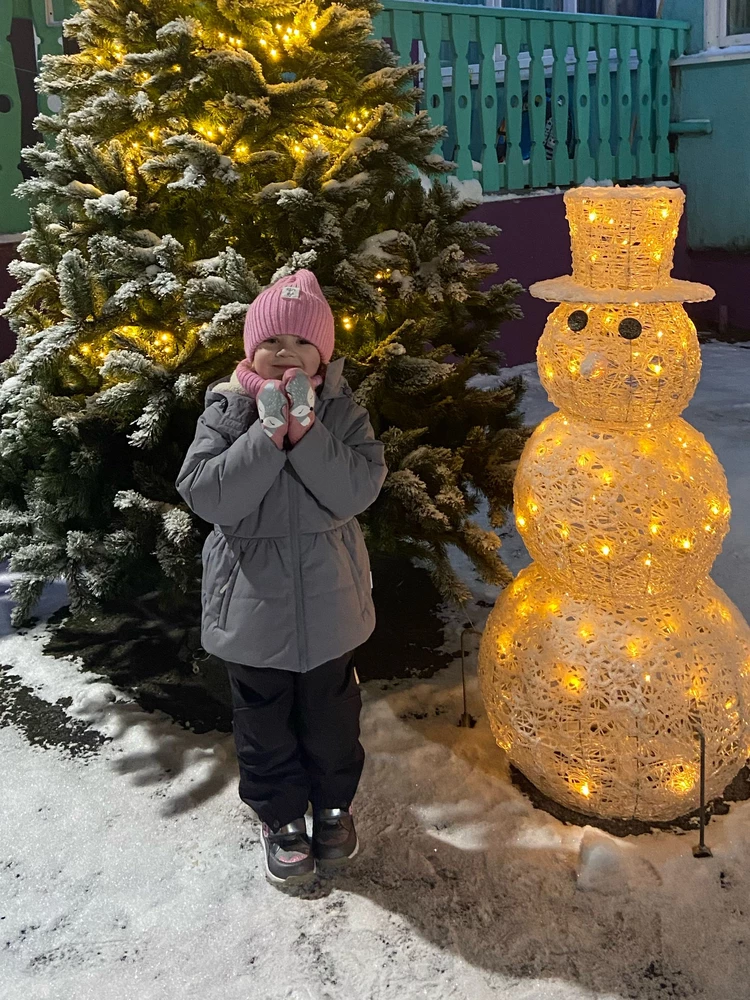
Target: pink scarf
252, 382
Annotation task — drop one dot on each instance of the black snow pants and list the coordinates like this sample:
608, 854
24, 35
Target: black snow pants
297, 738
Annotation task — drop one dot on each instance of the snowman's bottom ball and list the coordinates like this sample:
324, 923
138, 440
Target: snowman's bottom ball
598, 704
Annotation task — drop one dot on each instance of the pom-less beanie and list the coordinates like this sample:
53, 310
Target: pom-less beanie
292, 305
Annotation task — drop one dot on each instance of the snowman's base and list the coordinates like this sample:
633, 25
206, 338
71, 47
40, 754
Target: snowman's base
601, 703
737, 791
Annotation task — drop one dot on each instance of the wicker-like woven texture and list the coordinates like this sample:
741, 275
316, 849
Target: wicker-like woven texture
637, 513
626, 241
595, 702
604, 658
597, 374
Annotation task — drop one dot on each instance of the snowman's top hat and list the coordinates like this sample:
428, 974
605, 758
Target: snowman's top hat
622, 240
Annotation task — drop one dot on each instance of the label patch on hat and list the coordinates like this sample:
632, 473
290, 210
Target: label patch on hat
290, 292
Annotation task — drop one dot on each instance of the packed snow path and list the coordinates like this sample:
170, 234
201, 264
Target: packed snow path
131, 870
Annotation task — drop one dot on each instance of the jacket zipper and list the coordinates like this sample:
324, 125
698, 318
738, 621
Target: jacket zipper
223, 614
299, 616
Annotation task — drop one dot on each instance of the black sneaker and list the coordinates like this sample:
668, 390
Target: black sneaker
334, 835
288, 856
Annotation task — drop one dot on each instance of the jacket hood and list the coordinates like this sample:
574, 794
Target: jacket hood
334, 384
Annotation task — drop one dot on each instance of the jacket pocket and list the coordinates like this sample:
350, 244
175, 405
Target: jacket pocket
226, 595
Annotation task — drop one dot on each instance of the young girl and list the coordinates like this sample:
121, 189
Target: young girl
282, 462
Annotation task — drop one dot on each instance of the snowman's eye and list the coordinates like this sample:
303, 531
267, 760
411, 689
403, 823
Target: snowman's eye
630, 328
577, 320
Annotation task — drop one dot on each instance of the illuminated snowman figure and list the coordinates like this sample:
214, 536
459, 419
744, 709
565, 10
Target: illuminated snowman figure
605, 657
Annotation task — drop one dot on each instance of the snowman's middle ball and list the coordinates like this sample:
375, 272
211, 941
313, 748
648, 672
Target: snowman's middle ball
637, 513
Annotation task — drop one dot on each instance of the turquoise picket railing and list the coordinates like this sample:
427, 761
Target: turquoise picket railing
530, 98
537, 98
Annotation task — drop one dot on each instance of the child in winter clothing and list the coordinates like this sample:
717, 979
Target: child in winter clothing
282, 462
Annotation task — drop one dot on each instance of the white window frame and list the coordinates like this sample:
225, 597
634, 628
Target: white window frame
716, 36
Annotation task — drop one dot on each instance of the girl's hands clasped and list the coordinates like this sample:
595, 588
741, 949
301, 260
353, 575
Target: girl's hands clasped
287, 407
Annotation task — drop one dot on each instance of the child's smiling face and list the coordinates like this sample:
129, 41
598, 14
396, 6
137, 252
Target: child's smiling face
273, 356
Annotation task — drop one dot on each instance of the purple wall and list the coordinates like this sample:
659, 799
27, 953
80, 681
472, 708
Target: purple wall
7, 285
728, 273
535, 244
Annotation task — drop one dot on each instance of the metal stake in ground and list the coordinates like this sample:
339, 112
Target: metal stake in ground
701, 850
466, 720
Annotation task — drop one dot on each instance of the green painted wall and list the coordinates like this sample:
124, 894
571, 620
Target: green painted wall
715, 168
14, 213
688, 10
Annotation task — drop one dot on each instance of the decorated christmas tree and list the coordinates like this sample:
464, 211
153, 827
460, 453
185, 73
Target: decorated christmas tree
203, 149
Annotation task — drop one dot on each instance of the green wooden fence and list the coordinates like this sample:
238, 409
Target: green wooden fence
536, 98
530, 98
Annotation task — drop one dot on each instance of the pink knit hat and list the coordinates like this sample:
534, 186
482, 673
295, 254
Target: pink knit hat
292, 305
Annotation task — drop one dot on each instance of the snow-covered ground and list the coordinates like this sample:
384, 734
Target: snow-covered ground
132, 871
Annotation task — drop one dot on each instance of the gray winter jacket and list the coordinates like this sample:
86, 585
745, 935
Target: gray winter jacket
286, 575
